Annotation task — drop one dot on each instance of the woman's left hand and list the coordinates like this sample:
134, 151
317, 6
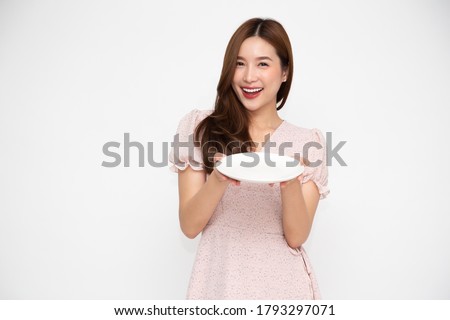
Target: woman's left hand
283, 184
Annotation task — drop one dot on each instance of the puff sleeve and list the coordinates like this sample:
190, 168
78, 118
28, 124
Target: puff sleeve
183, 151
316, 154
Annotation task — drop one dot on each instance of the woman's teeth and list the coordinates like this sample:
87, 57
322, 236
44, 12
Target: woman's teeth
252, 90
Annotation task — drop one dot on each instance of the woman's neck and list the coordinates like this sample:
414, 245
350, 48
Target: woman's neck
264, 120
263, 124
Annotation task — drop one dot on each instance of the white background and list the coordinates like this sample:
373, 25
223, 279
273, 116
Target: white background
75, 75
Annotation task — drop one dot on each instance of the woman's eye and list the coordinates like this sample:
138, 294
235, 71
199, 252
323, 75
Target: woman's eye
263, 64
239, 63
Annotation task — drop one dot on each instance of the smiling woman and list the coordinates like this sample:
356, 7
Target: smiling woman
252, 233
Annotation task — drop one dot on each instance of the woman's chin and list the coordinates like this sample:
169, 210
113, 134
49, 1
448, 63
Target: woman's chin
254, 107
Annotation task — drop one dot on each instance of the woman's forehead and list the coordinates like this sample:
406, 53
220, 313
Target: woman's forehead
256, 48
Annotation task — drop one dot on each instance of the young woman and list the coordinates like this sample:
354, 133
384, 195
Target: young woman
252, 234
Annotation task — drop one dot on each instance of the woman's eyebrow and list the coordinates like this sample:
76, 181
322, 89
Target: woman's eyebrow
264, 58
258, 58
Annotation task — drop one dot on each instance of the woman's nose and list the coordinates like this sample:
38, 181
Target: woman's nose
250, 74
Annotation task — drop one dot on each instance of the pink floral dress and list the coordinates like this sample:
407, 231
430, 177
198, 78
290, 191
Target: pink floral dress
242, 252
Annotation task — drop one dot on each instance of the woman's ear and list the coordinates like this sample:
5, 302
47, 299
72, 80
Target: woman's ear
285, 75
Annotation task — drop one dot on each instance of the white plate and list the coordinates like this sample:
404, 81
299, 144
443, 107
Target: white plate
260, 167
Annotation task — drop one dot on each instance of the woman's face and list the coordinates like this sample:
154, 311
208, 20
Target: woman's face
258, 74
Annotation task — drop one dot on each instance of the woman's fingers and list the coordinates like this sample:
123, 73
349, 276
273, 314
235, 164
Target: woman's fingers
232, 181
217, 157
235, 182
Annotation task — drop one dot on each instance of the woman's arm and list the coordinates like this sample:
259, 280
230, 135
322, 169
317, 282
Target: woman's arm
299, 204
198, 198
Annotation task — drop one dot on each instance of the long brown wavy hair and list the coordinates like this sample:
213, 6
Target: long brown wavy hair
225, 130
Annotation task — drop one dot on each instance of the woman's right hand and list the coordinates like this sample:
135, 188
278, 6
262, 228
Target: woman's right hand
221, 177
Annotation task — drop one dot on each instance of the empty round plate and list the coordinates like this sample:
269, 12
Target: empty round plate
259, 167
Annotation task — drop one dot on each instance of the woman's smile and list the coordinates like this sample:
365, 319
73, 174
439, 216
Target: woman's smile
251, 92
